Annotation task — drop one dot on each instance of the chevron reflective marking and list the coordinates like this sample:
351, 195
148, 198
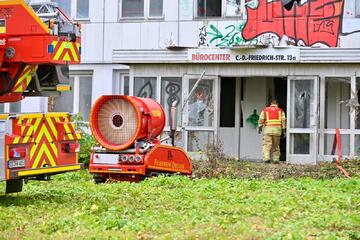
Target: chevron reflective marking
44, 146
66, 51
52, 127
68, 132
16, 140
24, 79
74, 53
44, 150
43, 132
31, 129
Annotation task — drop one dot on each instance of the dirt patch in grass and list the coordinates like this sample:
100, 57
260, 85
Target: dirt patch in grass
253, 170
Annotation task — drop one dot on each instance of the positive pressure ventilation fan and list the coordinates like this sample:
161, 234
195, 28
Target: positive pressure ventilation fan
118, 121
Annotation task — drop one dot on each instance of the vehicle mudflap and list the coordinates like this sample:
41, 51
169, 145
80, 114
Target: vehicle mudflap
14, 185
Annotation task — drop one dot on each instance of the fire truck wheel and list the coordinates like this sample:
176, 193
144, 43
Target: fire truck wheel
99, 179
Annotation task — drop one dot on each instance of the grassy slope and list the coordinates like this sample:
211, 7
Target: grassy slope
73, 207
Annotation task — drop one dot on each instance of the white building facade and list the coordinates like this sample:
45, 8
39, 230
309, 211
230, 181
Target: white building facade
249, 51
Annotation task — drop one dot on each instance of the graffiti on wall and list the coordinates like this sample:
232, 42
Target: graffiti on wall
312, 22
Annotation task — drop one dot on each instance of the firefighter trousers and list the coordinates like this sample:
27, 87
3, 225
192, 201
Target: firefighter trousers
271, 144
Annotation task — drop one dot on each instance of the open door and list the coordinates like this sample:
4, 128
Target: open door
302, 119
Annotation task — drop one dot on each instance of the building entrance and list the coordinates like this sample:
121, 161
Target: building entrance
241, 102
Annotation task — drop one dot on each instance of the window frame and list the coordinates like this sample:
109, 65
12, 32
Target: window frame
76, 90
224, 13
179, 106
74, 11
146, 13
357, 8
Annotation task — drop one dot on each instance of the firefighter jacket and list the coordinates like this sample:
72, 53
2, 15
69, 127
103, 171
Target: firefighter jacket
274, 120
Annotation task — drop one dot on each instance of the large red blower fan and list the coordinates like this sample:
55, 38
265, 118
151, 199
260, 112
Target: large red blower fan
127, 128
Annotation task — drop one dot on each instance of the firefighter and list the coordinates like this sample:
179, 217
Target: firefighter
274, 120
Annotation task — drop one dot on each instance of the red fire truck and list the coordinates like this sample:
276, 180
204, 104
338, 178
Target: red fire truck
37, 43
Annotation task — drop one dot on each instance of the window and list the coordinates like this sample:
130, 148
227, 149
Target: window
15, 107
85, 91
132, 8
233, 8
141, 8
337, 92
65, 6
82, 9
357, 8
209, 8
201, 104
77, 9
171, 90
121, 83
145, 87
156, 8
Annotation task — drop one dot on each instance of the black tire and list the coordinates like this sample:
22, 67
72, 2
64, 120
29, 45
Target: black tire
99, 179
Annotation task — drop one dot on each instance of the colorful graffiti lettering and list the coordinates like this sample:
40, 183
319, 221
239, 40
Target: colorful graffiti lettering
231, 37
313, 22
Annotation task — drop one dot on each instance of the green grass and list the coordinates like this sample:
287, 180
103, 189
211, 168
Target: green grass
73, 207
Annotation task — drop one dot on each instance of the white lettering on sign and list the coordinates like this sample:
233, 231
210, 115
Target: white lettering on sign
3, 42
269, 55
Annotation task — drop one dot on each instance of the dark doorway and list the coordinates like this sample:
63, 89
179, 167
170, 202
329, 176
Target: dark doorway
280, 86
227, 102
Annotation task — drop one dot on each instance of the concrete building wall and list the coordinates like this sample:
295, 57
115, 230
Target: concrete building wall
335, 25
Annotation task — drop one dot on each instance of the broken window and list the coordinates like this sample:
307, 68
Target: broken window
337, 100
233, 8
209, 8
302, 98
201, 104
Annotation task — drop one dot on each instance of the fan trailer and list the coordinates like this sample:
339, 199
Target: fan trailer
127, 128
36, 44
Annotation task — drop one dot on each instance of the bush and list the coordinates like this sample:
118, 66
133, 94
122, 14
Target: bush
87, 141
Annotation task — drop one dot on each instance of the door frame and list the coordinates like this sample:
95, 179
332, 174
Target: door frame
313, 129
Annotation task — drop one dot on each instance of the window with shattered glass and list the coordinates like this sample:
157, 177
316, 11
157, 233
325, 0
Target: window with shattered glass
233, 8
201, 104
302, 99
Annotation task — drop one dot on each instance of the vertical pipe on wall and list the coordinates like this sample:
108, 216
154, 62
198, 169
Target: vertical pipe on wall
178, 24
103, 34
